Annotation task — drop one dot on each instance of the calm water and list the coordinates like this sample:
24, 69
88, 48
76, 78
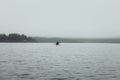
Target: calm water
40, 61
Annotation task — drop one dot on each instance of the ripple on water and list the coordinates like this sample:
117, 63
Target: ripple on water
25, 75
20, 61
3, 61
64, 79
58, 79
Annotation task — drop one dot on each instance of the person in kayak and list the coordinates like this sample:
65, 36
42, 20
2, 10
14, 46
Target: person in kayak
57, 43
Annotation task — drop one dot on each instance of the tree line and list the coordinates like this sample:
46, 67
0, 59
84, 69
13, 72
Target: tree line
15, 37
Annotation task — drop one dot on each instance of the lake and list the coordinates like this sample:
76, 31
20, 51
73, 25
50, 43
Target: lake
68, 61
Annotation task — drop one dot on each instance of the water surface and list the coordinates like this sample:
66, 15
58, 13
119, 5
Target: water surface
46, 61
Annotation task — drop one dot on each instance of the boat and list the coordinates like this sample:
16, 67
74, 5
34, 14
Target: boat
57, 43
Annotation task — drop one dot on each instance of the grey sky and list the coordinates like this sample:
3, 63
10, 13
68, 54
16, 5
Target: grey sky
61, 18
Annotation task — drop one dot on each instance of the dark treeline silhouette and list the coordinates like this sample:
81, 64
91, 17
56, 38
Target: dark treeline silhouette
15, 37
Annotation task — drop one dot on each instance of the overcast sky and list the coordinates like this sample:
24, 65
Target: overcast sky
61, 18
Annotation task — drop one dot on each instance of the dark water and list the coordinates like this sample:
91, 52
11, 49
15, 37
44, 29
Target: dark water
37, 61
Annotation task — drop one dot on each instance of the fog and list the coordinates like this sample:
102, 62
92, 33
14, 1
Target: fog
61, 18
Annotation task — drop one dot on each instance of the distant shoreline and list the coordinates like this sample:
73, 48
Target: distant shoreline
66, 42
21, 38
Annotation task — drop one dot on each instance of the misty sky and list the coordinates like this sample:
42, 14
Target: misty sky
61, 18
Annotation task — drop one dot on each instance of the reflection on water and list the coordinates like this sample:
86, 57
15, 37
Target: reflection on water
65, 62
